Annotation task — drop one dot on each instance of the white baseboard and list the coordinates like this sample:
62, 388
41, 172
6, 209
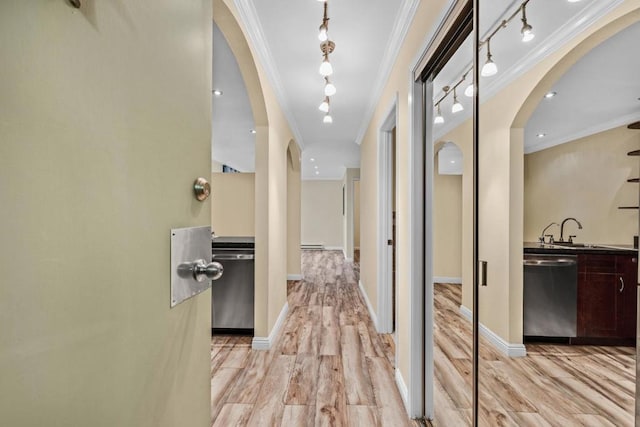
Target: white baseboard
506, 348
402, 388
334, 248
262, 343
374, 318
294, 277
444, 279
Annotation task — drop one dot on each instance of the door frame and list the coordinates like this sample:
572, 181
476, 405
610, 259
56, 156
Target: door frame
384, 321
421, 211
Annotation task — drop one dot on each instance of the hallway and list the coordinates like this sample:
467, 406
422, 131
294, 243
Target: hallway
328, 367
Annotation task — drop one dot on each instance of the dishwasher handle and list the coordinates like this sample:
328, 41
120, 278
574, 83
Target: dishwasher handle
233, 257
545, 262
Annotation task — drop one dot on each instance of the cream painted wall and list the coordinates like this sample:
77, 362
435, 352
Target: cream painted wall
447, 226
397, 85
350, 176
322, 220
216, 166
272, 140
356, 214
92, 179
585, 179
233, 204
294, 212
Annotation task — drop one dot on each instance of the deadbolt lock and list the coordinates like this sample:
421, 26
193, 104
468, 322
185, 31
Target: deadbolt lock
202, 189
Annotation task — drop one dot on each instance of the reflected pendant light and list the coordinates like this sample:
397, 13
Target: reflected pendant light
527, 30
438, 119
327, 119
489, 68
457, 106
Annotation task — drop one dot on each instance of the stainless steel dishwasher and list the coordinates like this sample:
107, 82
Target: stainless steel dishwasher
232, 296
550, 295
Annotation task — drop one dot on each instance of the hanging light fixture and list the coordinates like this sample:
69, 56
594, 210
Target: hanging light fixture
327, 118
329, 88
438, 118
324, 106
457, 106
468, 91
489, 68
326, 48
325, 68
527, 30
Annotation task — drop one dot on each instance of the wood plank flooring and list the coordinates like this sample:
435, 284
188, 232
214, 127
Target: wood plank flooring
329, 367
554, 385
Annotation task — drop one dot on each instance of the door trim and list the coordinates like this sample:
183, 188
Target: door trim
385, 252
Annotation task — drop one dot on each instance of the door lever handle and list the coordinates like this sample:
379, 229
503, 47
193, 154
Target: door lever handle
621, 285
200, 270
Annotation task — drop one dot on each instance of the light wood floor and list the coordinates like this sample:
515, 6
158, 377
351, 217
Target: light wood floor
329, 367
554, 385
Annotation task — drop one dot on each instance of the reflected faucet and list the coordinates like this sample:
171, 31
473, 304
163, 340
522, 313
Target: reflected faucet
542, 235
562, 227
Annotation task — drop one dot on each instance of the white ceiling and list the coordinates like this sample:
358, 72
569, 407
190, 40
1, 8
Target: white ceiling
233, 143
366, 33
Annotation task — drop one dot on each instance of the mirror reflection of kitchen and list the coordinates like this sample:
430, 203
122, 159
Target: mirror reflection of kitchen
557, 318
581, 226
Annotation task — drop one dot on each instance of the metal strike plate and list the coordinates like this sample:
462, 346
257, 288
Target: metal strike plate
187, 246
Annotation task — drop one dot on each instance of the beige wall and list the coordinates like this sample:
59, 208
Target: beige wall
294, 212
216, 166
396, 86
585, 179
92, 179
350, 176
356, 214
272, 140
322, 221
447, 226
233, 204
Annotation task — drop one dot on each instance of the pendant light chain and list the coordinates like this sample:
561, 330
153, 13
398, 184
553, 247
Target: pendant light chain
326, 69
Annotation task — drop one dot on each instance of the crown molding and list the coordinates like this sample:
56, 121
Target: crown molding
253, 28
579, 23
388, 60
582, 133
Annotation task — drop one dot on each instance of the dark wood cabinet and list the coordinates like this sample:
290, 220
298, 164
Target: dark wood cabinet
607, 287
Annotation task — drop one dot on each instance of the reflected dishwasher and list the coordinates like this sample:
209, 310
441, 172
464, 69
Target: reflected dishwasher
232, 296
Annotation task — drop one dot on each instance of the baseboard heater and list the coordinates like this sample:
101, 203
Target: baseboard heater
312, 247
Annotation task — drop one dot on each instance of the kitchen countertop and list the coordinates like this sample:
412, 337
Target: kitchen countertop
595, 249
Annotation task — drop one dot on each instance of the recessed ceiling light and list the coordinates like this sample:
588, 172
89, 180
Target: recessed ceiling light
217, 92
312, 159
316, 166
317, 172
550, 94
541, 135
253, 131
452, 161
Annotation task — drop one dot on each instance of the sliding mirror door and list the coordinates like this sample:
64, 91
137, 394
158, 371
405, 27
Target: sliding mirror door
557, 212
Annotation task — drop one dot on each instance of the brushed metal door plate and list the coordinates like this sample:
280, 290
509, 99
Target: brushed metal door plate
188, 245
